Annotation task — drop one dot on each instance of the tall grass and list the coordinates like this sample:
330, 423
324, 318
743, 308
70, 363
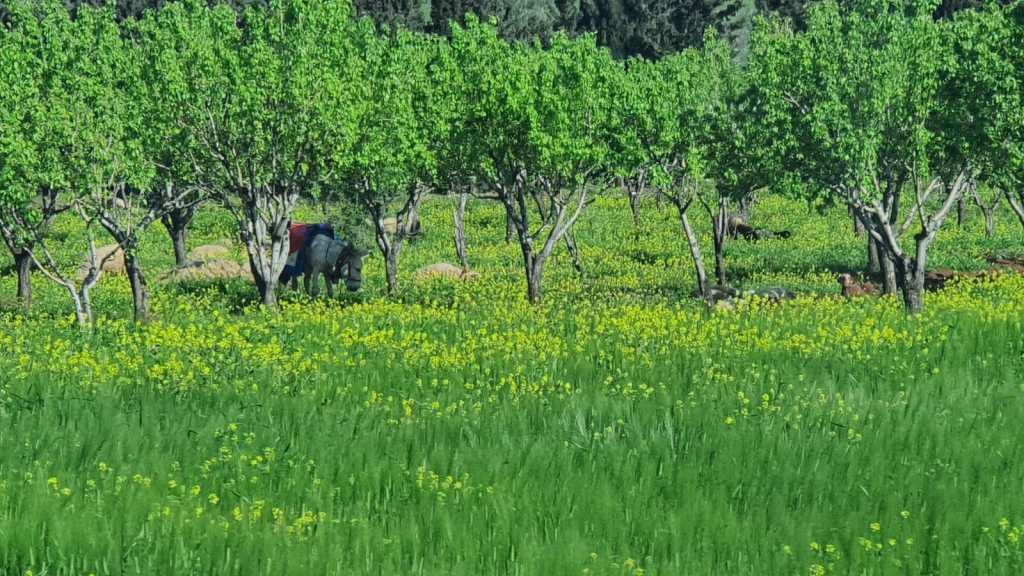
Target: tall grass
618, 429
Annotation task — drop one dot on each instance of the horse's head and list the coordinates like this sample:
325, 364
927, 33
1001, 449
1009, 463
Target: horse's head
349, 266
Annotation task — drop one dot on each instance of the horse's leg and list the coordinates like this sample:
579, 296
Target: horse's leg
314, 283
330, 286
305, 282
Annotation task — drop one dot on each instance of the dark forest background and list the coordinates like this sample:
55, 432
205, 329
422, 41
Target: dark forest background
649, 28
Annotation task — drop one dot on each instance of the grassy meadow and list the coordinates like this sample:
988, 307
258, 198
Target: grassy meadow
620, 428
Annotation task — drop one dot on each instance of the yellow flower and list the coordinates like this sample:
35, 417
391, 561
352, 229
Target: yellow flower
729, 420
876, 527
905, 514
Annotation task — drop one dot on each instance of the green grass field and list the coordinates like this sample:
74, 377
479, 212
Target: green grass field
619, 428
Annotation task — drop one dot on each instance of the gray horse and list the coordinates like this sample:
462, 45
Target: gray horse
336, 260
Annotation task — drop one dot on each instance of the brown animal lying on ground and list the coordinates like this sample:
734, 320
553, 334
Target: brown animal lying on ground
444, 269
853, 289
937, 279
933, 280
1015, 264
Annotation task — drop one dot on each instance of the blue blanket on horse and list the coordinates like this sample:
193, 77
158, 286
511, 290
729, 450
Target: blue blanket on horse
299, 238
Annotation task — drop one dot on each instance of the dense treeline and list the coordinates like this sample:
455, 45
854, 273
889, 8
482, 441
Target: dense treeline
879, 107
649, 28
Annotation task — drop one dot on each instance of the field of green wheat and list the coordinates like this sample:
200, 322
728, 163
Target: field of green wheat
618, 428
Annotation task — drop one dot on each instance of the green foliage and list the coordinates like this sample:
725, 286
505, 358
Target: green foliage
393, 121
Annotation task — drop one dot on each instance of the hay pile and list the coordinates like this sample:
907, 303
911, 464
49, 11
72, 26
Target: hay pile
204, 271
445, 270
217, 251
115, 265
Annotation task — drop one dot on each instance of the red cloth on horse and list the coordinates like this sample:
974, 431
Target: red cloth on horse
297, 237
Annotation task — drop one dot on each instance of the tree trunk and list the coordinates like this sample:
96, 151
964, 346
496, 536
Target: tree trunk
83, 312
698, 260
746, 205
140, 292
634, 205
858, 225
176, 223
510, 229
82, 299
267, 265
390, 246
961, 212
23, 262
533, 277
874, 264
411, 219
179, 238
460, 231
574, 251
1017, 205
911, 284
392, 271
264, 276
268, 292
720, 222
990, 223
890, 282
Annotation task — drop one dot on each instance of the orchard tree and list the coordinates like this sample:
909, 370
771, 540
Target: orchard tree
661, 136
644, 129
864, 90
261, 104
84, 133
21, 179
491, 87
537, 121
169, 146
574, 90
391, 165
453, 152
986, 95
743, 144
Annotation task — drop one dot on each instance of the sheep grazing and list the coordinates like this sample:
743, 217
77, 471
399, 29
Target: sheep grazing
718, 293
773, 294
853, 289
736, 227
726, 298
445, 270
